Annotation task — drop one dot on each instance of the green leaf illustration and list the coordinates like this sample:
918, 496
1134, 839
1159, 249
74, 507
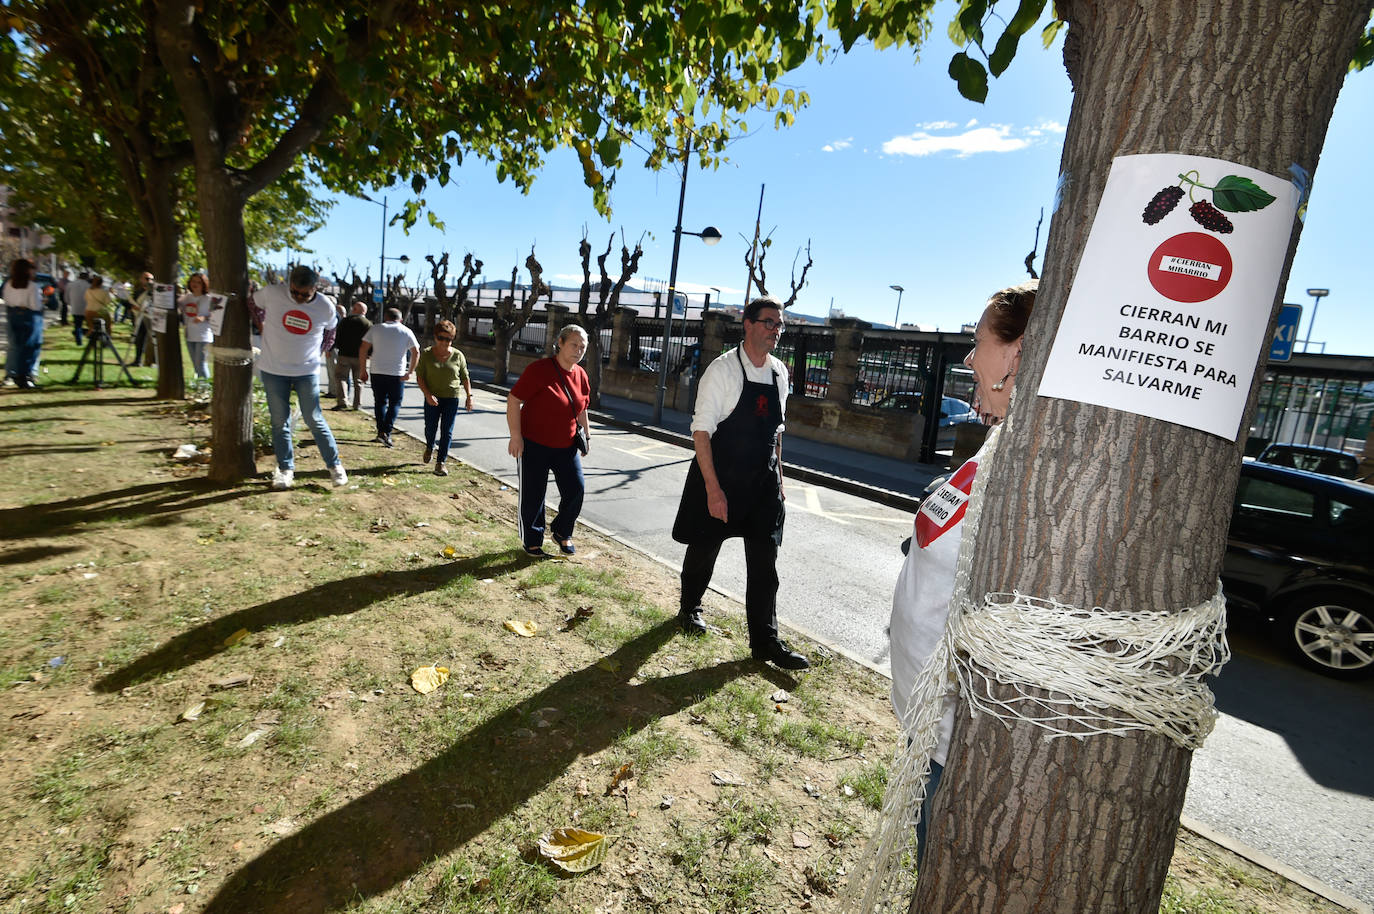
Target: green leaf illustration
1235, 194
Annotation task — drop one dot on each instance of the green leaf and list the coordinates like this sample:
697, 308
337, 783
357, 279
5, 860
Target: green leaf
1234, 194
971, 77
689, 97
970, 22
609, 151
1364, 51
1051, 32
1027, 14
793, 54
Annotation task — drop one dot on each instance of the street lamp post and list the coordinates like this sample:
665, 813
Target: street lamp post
708, 301
381, 261
1317, 296
710, 235
900, 290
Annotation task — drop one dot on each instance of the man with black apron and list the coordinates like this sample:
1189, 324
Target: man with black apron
734, 486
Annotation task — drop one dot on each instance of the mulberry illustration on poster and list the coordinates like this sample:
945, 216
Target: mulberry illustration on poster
1167, 314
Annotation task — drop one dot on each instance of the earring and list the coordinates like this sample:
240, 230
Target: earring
1002, 383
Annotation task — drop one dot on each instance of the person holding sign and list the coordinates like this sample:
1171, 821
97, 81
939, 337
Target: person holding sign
920, 604
195, 313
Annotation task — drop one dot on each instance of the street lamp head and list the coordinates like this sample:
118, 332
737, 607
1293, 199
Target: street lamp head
710, 235
897, 288
403, 259
1318, 293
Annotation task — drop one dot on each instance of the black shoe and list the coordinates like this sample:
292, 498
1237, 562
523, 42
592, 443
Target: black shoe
338, 407
537, 552
386, 440
780, 655
429, 452
691, 622
566, 546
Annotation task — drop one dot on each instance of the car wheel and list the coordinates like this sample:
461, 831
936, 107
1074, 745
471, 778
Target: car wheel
1332, 633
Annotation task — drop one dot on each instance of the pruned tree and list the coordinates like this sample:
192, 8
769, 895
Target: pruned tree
754, 257
594, 321
452, 307
351, 289
511, 318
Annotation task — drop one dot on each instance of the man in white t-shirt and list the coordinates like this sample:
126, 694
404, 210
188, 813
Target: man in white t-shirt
297, 327
388, 345
76, 304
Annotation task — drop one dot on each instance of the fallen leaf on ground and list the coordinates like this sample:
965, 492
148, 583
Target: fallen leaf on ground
428, 678
779, 696
525, 628
194, 711
236, 637
574, 850
609, 664
723, 778
251, 738
801, 839
232, 681
619, 780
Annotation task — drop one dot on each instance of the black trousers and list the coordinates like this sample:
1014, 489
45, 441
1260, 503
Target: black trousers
760, 591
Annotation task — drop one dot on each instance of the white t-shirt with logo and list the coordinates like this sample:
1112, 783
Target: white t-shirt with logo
390, 342
920, 603
193, 306
292, 331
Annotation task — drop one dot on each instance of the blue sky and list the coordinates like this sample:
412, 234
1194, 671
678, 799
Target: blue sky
891, 175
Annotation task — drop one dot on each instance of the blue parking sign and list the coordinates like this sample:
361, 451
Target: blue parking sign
376, 295
1285, 333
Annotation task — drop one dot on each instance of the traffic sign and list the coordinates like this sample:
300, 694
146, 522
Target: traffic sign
1285, 333
376, 295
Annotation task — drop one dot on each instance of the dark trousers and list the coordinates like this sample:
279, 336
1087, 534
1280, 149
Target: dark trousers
533, 467
386, 401
142, 338
439, 420
760, 589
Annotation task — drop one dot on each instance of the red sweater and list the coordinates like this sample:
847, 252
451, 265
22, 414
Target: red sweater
547, 417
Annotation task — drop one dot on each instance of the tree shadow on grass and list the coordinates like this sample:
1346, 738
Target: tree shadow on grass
152, 501
53, 401
379, 840
333, 598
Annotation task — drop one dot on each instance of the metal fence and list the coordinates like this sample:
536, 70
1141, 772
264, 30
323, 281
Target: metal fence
808, 353
646, 345
1325, 411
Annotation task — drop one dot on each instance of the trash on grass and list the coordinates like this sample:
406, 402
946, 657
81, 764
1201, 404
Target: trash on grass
185, 452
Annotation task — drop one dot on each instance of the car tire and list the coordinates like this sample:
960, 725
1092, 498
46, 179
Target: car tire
1331, 632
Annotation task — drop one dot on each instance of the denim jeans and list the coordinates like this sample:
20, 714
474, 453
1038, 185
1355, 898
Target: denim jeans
387, 390
198, 352
306, 386
439, 419
25, 333
533, 467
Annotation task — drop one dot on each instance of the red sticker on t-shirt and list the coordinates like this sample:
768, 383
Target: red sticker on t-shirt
945, 507
296, 322
189, 309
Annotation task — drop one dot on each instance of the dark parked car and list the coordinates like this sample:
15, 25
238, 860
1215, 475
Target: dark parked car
1325, 460
1300, 551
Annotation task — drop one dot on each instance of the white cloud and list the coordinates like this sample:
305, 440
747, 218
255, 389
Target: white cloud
838, 145
945, 137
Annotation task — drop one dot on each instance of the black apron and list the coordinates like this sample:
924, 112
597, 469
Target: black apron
744, 450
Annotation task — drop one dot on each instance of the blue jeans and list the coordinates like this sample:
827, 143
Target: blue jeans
533, 467
440, 419
198, 352
306, 386
25, 332
933, 784
387, 390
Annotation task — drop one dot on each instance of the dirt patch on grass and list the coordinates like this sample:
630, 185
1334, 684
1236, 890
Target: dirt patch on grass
209, 704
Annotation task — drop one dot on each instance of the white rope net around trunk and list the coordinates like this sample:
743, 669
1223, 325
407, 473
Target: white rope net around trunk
1109, 672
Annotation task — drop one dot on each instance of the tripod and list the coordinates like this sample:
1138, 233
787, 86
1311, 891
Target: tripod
96, 341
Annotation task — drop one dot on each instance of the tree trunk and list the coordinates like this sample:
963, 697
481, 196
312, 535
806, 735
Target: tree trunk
593, 365
1096, 507
232, 457
500, 342
164, 237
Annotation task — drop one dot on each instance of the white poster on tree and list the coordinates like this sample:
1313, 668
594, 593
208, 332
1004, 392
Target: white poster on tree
215, 301
1167, 315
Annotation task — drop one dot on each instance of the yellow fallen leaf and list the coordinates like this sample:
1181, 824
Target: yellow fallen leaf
194, 711
523, 628
236, 637
450, 552
574, 850
428, 678
609, 664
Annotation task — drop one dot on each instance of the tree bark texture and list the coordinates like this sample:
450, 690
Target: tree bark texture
1095, 507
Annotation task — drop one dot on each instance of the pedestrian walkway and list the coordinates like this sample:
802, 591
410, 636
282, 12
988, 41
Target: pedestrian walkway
897, 483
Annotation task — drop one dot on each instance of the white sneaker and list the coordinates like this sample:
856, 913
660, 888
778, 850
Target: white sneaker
339, 474
282, 479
